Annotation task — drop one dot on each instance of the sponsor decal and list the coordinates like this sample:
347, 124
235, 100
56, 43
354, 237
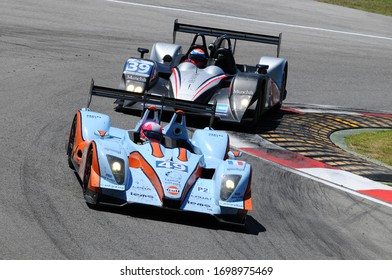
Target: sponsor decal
243, 92
112, 186
203, 190
173, 190
201, 197
199, 204
138, 67
141, 195
222, 108
172, 178
136, 78
171, 165
173, 175
171, 182
142, 188
233, 204
215, 135
93, 116
235, 165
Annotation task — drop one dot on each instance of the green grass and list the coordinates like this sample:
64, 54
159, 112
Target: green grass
383, 7
374, 145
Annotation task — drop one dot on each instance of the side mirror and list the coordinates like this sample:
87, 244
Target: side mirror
262, 68
167, 59
101, 133
142, 51
234, 154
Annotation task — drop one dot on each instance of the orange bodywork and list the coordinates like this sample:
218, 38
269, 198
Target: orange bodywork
227, 148
192, 179
95, 175
248, 195
156, 149
136, 160
182, 154
79, 143
79, 147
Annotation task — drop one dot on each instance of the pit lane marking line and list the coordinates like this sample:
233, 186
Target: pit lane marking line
254, 20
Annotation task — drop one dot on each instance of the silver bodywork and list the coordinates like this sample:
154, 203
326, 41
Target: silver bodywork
242, 93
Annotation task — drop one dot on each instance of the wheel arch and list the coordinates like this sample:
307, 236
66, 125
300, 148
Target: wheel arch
91, 178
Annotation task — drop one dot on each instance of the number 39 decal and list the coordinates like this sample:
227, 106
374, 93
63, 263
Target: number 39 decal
172, 165
140, 67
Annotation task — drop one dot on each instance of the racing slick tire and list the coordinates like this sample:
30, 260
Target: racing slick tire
283, 93
260, 105
257, 116
71, 142
235, 221
284, 82
92, 198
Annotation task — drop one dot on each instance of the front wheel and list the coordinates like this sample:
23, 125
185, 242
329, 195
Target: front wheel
71, 143
92, 198
260, 105
284, 83
283, 91
235, 221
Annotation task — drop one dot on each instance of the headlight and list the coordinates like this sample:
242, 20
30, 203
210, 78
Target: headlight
130, 87
245, 102
139, 89
228, 185
134, 86
117, 166
241, 102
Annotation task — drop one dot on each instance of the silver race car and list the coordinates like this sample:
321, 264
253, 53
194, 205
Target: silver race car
209, 74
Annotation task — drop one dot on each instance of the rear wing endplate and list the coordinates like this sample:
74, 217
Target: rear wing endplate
217, 32
176, 104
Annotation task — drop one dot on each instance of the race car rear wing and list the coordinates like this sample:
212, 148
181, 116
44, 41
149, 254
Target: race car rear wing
148, 99
217, 32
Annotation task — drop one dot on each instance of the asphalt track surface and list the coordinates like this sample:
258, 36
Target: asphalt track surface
49, 51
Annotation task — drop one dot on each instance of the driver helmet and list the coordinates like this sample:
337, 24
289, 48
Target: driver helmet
198, 57
151, 131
